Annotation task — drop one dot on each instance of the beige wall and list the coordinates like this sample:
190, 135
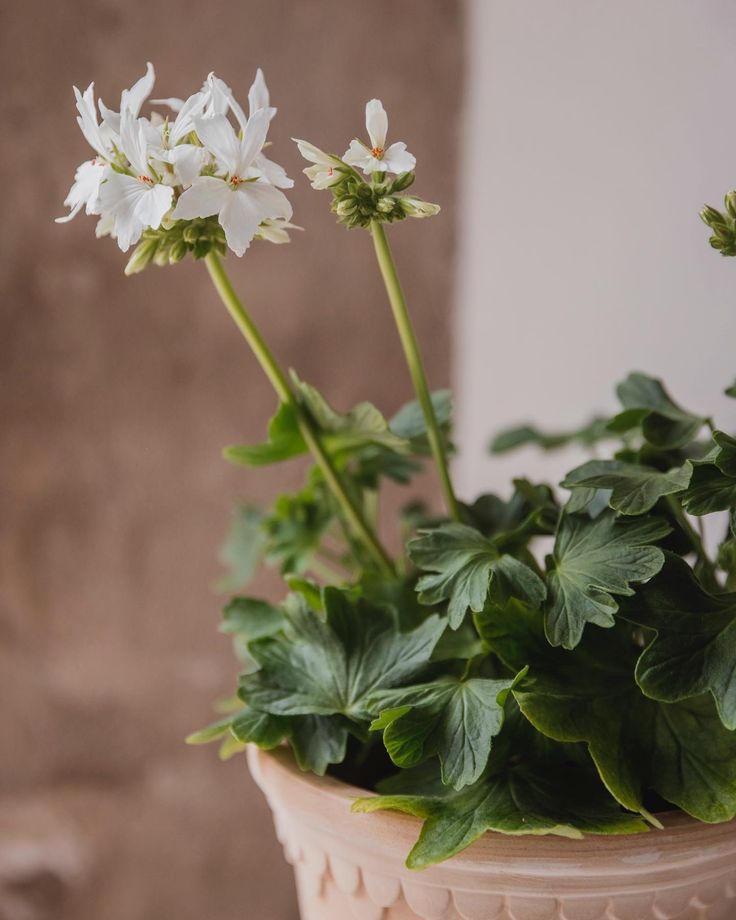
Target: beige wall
595, 132
116, 397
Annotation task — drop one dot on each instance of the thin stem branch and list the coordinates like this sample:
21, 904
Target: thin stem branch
283, 389
414, 361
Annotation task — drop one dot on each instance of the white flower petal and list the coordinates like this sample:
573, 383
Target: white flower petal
206, 197
272, 172
187, 160
134, 142
184, 122
312, 153
172, 102
153, 204
218, 136
398, 159
87, 120
376, 122
240, 217
271, 202
254, 137
85, 192
322, 177
357, 155
119, 197
258, 97
133, 98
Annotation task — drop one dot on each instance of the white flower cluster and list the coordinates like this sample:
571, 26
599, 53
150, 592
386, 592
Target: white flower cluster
205, 159
376, 158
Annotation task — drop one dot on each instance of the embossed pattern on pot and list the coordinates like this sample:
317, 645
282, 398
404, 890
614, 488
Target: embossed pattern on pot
352, 866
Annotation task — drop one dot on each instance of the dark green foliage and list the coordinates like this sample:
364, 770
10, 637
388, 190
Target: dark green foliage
551, 663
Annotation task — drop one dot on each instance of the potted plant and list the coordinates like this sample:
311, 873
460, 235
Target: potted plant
534, 700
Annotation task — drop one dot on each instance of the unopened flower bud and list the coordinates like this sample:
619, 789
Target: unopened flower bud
730, 201
190, 233
415, 207
346, 207
177, 251
711, 217
142, 256
402, 182
386, 205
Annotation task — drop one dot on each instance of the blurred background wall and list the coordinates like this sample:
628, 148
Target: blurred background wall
116, 396
596, 130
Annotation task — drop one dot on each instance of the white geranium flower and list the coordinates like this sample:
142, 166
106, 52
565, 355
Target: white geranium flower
134, 201
241, 202
85, 192
131, 100
378, 157
326, 170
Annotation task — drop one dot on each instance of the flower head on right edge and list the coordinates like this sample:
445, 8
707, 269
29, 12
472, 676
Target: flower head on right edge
359, 201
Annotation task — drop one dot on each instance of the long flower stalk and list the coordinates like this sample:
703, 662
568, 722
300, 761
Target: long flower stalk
414, 361
283, 389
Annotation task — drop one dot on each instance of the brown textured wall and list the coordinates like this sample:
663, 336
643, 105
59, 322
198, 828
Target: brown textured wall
115, 397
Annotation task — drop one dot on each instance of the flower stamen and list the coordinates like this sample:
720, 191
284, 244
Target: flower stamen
377, 152
235, 181
147, 179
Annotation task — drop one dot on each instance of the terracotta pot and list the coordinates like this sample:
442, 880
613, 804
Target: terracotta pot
351, 866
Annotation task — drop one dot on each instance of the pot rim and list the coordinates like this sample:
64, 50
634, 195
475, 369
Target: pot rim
322, 803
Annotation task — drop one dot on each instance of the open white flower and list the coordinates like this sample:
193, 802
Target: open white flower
241, 200
85, 191
378, 157
326, 170
134, 201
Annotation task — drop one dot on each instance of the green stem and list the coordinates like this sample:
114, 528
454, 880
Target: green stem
414, 362
285, 393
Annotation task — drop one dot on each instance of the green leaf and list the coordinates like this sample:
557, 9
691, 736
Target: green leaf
361, 426
466, 569
295, 527
409, 423
523, 435
210, 733
317, 741
713, 485
679, 750
593, 560
261, 728
665, 424
531, 510
328, 667
252, 617
243, 549
731, 391
525, 798
694, 650
710, 490
635, 489
455, 720
284, 442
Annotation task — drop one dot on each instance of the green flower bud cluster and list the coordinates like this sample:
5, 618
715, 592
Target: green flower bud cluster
723, 225
358, 203
170, 244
